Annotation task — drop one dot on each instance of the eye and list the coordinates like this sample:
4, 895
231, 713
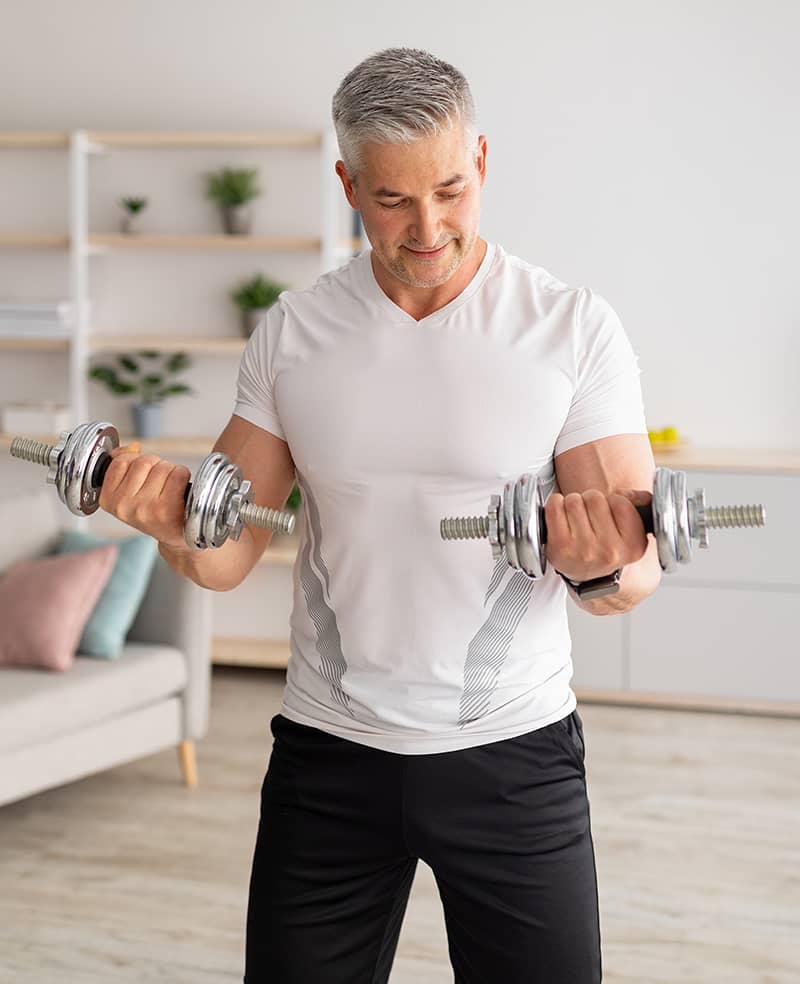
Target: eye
456, 195
392, 205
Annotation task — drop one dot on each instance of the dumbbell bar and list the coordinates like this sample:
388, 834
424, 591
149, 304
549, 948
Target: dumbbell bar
517, 522
218, 502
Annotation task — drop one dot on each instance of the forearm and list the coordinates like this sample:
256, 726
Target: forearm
217, 568
638, 582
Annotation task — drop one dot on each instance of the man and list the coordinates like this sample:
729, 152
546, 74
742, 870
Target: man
427, 712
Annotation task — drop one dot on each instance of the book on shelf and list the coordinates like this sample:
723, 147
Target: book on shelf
36, 320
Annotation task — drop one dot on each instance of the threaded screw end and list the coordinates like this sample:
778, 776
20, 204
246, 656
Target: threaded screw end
266, 519
720, 517
465, 528
29, 450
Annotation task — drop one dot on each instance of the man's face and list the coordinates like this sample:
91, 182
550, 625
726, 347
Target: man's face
420, 204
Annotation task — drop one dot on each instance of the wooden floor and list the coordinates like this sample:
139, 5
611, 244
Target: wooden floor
129, 877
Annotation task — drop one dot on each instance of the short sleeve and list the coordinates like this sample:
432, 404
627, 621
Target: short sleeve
255, 396
608, 395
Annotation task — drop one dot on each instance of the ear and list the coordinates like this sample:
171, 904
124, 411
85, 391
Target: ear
348, 184
480, 158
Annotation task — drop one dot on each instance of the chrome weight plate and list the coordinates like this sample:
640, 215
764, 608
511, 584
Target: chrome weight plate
206, 513
529, 513
76, 463
665, 520
510, 525
683, 534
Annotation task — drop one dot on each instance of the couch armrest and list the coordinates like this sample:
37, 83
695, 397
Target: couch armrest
177, 612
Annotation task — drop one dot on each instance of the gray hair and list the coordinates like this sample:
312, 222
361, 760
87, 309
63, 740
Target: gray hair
397, 96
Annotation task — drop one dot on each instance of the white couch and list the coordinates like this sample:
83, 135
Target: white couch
58, 727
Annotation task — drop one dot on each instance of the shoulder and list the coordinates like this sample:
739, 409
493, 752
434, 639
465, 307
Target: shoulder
578, 302
335, 286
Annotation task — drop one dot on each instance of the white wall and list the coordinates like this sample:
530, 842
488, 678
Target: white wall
647, 149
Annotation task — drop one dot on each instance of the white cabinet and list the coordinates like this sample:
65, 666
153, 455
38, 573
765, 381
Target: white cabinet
598, 650
736, 641
722, 631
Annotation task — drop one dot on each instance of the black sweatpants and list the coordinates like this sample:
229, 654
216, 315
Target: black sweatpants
504, 826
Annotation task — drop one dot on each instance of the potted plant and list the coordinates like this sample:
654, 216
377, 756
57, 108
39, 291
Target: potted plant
132, 209
253, 298
149, 377
233, 190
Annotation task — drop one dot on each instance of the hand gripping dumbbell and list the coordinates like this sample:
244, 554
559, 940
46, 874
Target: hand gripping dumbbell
218, 502
517, 522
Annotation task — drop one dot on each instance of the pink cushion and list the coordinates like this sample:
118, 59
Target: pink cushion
45, 603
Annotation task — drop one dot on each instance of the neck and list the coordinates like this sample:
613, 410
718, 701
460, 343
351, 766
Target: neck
419, 302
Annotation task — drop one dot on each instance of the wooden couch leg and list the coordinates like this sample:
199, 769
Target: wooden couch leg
188, 759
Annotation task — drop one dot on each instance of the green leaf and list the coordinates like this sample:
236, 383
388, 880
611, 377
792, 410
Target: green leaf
122, 389
176, 389
233, 187
177, 362
149, 354
104, 374
128, 363
257, 292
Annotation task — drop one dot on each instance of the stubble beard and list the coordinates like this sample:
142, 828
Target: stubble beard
397, 265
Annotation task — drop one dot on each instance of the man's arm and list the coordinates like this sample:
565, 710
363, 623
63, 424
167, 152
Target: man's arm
147, 493
592, 524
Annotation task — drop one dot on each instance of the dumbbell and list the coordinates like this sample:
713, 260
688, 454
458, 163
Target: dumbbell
516, 522
218, 501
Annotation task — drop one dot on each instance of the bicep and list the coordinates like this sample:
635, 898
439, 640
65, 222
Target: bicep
265, 461
624, 461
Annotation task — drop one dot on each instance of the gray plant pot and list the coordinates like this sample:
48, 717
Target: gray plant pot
129, 223
148, 419
250, 320
237, 220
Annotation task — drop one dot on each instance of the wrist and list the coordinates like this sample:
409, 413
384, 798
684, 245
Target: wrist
597, 587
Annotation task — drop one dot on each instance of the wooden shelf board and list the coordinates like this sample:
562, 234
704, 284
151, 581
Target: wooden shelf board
188, 140
34, 140
269, 653
688, 702
192, 446
755, 460
289, 244
27, 240
167, 343
34, 344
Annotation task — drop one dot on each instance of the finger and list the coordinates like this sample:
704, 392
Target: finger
157, 478
600, 517
134, 447
116, 473
629, 523
578, 518
556, 520
139, 467
175, 486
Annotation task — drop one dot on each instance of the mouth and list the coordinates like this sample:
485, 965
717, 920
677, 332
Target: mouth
427, 254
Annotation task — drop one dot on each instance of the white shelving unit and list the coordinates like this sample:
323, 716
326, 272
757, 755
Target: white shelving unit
331, 244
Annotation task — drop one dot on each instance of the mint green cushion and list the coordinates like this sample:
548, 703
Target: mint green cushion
105, 632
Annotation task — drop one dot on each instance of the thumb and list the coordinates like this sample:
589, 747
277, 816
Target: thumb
636, 496
135, 447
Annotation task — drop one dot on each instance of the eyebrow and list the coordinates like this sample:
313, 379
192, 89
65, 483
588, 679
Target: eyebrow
388, 193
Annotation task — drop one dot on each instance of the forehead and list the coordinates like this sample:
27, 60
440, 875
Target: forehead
428, 161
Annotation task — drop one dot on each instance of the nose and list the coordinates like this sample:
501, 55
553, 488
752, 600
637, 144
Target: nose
425, 229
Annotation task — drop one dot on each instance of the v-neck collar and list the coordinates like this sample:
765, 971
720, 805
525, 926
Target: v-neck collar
397, 314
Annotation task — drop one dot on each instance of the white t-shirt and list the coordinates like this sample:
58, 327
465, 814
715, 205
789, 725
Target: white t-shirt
400, 640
